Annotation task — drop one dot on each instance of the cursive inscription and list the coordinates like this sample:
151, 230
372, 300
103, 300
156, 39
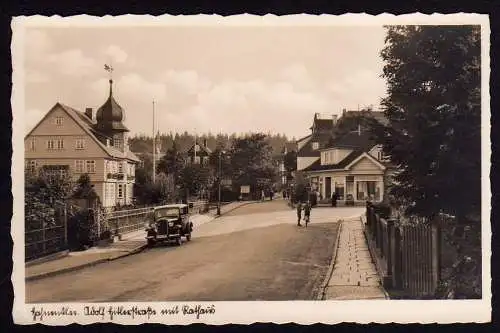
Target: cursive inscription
198, 310
40, 313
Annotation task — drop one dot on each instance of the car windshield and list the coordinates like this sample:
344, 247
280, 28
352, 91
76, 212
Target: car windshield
167, 212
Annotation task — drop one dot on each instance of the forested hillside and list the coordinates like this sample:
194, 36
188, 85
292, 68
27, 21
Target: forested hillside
142, 143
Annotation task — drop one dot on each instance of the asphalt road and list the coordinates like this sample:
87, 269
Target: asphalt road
254, 253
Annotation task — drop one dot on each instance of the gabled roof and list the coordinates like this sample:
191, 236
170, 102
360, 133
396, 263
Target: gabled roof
322, 124
289, 146
368, 156
316, 166
203, 148
87, 125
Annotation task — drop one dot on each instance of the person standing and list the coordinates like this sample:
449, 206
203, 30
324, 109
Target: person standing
334, 199
299, 213
307, 212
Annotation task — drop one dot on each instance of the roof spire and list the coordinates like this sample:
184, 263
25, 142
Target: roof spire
109, 69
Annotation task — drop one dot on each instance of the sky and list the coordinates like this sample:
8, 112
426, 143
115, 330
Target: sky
218, 79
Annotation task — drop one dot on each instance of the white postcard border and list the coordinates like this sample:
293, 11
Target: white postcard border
302, 312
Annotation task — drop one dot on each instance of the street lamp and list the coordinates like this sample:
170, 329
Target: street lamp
220, 179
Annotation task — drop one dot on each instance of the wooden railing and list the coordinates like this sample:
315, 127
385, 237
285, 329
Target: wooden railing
407, 253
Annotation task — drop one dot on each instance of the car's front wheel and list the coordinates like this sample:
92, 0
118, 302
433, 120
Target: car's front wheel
188, 237
178, 241
151, 242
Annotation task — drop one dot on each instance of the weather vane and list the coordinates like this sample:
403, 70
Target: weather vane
109, 69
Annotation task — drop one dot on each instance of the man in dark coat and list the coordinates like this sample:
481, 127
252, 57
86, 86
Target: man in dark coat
334, 199
299, 213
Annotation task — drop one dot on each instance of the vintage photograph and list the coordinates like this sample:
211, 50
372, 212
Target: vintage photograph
213, 162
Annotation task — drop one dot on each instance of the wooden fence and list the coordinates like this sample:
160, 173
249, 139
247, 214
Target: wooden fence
45, 232
407, 253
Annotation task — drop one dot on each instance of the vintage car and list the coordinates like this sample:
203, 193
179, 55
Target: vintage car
169, 223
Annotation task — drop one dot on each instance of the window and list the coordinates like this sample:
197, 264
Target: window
90, 166
315, 145
197, 160
79, 166
50, 144
80, 143
56, 171
59, 121
32, 145
30, 166
120, 191
60, 144
205, 159
117, 143
120, 167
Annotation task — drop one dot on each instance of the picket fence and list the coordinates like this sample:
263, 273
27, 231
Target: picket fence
407, 253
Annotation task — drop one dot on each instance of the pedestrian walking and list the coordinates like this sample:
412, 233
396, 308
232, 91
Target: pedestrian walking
307, 212
334, 199
299, 213
262, 195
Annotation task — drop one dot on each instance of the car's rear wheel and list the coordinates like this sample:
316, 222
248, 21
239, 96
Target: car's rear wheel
188, 237
151, 242
178, 241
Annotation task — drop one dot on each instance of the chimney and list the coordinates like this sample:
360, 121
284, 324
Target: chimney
88, 113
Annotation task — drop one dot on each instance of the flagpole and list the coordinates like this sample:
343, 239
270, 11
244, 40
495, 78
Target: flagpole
154, 145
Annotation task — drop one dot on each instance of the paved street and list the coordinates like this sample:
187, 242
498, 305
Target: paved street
255, 252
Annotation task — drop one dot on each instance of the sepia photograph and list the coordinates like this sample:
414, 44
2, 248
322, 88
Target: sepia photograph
182, 168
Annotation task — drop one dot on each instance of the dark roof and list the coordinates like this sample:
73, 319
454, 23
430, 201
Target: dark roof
289, 146
322, 124
110, 115
353, 140
322, 138
203, 148
316, 166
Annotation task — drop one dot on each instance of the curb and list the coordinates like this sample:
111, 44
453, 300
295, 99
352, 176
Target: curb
322, 289
243, 204
89, 264
50, 257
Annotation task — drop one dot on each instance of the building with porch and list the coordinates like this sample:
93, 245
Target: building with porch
351, 164
68, 141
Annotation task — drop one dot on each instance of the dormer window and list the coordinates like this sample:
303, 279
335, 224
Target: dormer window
315, 145
59, 121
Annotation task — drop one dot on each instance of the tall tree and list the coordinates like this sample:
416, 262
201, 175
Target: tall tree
172, 162
251, 159
434, 109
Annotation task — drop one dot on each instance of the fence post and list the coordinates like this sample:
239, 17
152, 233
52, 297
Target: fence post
396, 257
65, 224
390, 240
436, 253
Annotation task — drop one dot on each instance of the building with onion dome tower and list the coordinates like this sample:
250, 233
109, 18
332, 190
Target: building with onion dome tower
70, 141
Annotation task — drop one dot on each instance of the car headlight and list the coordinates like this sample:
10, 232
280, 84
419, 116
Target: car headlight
148, 225
170, 224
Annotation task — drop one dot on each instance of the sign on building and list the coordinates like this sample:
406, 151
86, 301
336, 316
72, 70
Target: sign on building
245, 189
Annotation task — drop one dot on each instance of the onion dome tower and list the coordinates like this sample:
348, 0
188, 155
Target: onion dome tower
110, 118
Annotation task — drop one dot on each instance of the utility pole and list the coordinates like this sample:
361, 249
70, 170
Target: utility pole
220, 180
154, 145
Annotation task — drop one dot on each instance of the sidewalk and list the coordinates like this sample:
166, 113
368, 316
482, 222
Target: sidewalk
130, 243
353, 275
